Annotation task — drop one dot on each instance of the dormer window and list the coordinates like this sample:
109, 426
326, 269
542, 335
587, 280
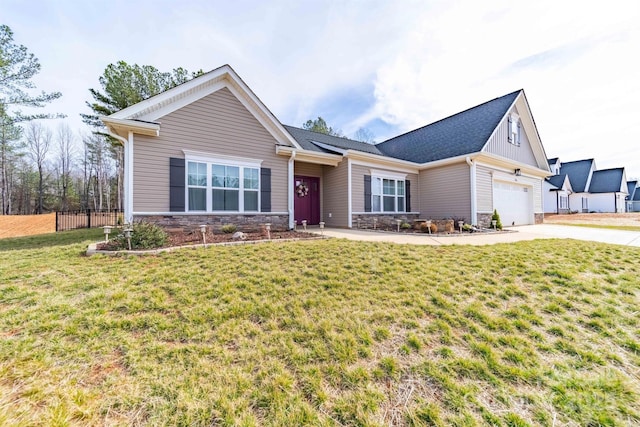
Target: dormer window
514, 129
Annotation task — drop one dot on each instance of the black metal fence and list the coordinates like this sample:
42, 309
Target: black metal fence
71, 220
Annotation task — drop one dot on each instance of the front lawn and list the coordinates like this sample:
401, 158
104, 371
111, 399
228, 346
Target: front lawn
321, 333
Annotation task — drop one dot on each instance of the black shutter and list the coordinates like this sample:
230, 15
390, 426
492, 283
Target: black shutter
407, 189
176, 185
367, 193
265, 190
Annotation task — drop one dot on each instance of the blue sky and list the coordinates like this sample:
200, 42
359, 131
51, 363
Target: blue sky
390, 66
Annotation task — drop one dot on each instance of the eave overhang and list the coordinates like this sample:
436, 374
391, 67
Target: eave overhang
123, 126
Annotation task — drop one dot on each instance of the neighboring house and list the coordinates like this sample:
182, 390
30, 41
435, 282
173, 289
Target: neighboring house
588, 189
631, 188
557, 190
208, 151
635, 201
579, 173
608, 190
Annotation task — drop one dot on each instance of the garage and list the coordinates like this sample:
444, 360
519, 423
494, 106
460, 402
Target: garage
513, 202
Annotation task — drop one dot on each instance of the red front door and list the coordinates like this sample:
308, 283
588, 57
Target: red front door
306, 196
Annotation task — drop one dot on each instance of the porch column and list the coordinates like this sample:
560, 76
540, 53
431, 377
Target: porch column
290, 183
128, 179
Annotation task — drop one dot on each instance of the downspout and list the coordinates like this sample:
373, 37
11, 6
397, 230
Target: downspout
128, 197
349, 195
290, 186
472, 180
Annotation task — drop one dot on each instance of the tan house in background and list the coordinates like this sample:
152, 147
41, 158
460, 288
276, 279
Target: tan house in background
210, 152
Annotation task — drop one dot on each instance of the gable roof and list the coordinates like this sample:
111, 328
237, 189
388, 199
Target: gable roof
631, 187
148, 111
457, 135
316, 141
558, 181
578, 173
636, 196
607, 181
553, 161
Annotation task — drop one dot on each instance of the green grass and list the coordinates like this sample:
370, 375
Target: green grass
609, 227
320, 333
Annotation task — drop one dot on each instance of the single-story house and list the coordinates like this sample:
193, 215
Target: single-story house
557, 190
209, 151
635, 201
579, 173
608, 190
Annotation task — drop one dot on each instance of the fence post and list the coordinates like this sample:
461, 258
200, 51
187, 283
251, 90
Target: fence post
88, 218
57, 222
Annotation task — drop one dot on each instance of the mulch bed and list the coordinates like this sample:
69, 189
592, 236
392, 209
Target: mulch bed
186, 238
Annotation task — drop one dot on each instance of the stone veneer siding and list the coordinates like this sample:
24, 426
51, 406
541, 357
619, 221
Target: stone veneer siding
538, 218
484, 220
246, 223
384, 220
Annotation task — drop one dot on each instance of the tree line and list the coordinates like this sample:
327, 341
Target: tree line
42, 170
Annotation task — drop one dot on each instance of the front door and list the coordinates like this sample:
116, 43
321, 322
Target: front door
306, 195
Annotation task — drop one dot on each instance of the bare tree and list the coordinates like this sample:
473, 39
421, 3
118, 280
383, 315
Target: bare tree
98, 170
38, 142
364, 135
66, 151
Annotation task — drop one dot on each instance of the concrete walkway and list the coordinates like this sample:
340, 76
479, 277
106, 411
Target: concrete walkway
513, 234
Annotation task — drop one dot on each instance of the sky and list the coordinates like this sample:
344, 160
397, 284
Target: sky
388, 66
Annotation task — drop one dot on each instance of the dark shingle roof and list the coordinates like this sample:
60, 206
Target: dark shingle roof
636, 196
606, 181
552, 161
557, 180
631, 186
463, 133
578, 173
306, 139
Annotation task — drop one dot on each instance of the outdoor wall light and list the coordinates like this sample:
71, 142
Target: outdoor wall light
517, 172
107, 231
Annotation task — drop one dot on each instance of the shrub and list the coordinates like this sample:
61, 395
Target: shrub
405, 226
145, 235
448, 227
425, 228
496, 217
229, 228
467, 227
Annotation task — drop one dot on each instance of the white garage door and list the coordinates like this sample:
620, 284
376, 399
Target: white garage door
513, 202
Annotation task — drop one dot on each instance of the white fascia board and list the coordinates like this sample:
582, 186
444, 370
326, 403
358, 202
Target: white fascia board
310, 156
188, 92
380, 161
144, 107
124, 125
446, 162
492, 160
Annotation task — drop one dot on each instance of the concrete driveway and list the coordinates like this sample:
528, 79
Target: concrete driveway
513, 234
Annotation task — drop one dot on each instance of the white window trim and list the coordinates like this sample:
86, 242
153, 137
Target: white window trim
515, 138
209, 160
390, 176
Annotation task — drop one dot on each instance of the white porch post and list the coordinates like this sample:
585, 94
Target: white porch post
349, 195
472, 181
128, 179
290, 185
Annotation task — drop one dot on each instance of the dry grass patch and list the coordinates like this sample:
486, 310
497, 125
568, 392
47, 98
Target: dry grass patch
321, 333
26, 225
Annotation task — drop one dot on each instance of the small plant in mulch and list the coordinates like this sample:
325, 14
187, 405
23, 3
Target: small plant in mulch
496, 217
229, 228
145, 235
405, 226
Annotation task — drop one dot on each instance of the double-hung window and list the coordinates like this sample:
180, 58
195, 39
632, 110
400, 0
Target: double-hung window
217, 186
387, 194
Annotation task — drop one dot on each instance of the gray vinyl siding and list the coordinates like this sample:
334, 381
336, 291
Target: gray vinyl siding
499, 144
484, 189
216, 124
445, 192
357, 186
334, 201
